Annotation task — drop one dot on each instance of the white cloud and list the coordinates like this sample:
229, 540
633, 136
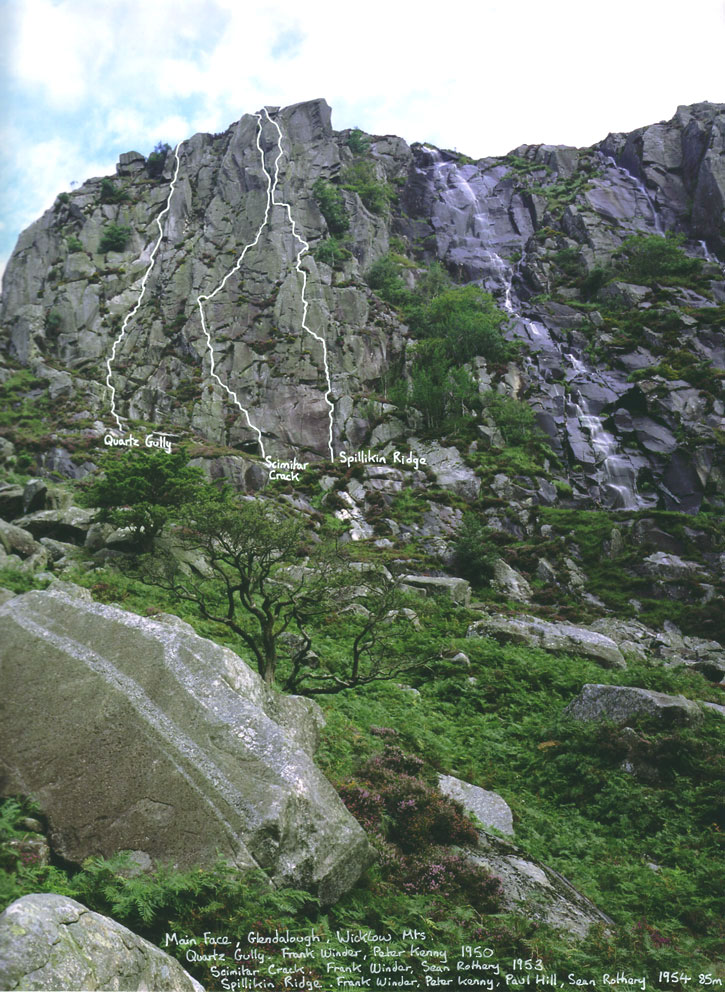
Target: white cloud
98, 77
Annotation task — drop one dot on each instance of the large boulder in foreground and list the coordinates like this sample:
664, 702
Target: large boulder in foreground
620, 704
136, 734
53, 942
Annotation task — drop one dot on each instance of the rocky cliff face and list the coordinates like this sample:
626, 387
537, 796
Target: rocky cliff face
224, 309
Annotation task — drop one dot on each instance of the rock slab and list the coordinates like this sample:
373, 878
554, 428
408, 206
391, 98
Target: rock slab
557, 638
135, 734
488, 807
622, 703
535, 889
52, 942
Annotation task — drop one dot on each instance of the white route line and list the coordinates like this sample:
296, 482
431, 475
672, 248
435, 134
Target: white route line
132, 313
304, 247
204, 298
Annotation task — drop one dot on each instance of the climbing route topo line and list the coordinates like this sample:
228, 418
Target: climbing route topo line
204, 298
304, 247
132, 313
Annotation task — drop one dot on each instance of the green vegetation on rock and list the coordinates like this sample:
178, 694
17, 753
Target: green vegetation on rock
115, 237
332, 206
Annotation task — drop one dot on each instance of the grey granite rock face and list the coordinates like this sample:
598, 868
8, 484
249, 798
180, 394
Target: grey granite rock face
51, 942
135, 734
486, 222
262, 351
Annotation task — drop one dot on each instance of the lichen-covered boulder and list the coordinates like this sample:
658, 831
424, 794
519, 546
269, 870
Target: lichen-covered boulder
136, 734
535, 889
557, 638
488, 807
621, 704
51, 942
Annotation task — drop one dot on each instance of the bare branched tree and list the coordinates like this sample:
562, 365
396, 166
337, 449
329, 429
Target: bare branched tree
255, 572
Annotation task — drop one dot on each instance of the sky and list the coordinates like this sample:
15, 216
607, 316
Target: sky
84, 80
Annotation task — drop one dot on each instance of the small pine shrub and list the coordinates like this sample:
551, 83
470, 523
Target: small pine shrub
647, 259
110, 193
473, 556
115, 237
332, 252
74, 244
157, 160
357, 142
514, 419
332, 206
53, 322
360, 178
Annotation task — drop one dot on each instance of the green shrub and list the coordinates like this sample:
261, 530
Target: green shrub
473, 556
514, 419
141, 489
115, 237
592, 283
110, 193
384, 277
357, 142
332, 251
360, 178
63, 198
157, 159
444, 396
74, 244
646, 259
53, 322
332, 206
467, 320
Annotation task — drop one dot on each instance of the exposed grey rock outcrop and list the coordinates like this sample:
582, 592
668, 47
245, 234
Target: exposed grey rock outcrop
51, 942
535, 889
557, 638
510, 582
261, 351
488, 807
669, 645
623, 703
138, 734
69, 524
449, 469
64, 300
458, 590
668, 566
11, 501
16, 540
